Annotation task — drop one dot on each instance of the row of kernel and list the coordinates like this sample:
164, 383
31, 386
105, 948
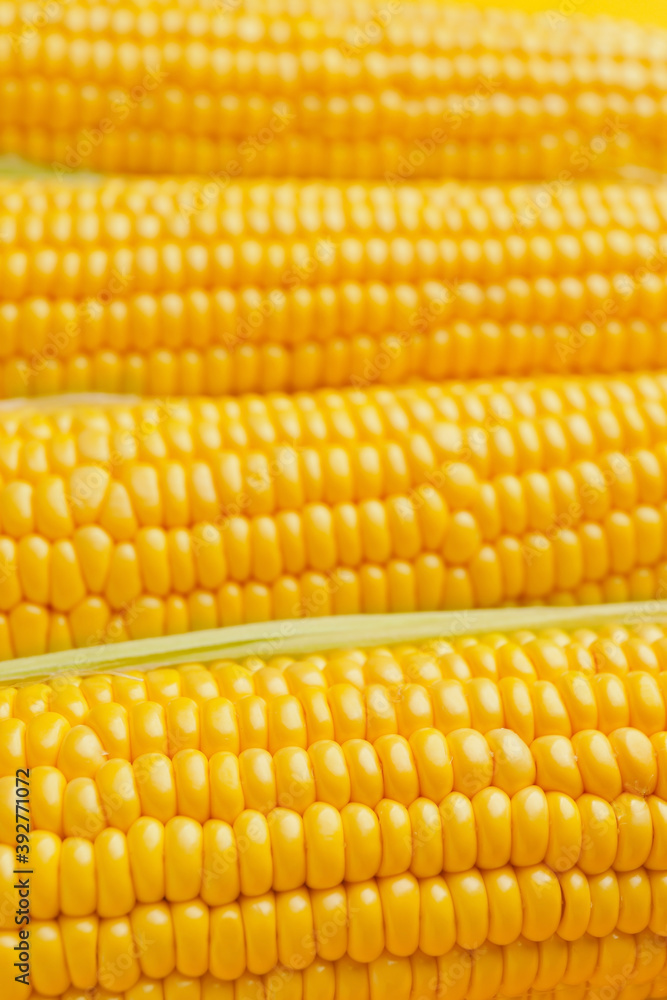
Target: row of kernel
573, 703
223, 482
307, 489
208, 470
594, 848
187, 429
640, 585
349, 240
85, 790
382, 224
339, 464
31, 629
400, 586
523, 968
597, 53
463, 351
84, 784
290, 556
395, 101
383, 110
402, 914
113, 211
328, 56
545, 654
178, 428
627, 691
522, 234
320, 507
392, 767
52, 490
59, 574
228, 316
436, 29
327, 416
276, 720
370, 360
112, 206
305, 156
537, 689
332, 61
161, 193
274, 367
476, 689
554, 262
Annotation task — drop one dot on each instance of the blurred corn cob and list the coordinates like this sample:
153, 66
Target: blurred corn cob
161, 517
163, 287
340, 90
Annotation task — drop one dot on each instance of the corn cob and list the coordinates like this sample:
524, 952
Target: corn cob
371, 848
490, 813
329, 92
368, 853
164, 517
163, 287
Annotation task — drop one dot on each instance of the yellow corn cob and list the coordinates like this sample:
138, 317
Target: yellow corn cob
231, 773
132, 521
510, 864
327, 90
163, 287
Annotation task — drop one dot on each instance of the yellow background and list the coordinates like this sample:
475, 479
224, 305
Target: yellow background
647, 11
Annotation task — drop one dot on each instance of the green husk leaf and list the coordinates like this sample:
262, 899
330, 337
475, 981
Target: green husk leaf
310, 635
